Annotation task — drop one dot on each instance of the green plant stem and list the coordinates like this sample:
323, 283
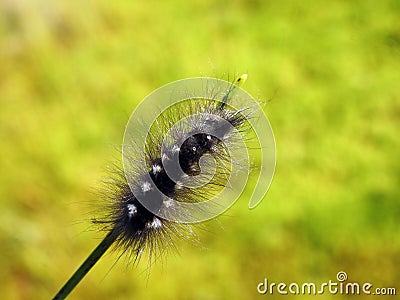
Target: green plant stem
86, 266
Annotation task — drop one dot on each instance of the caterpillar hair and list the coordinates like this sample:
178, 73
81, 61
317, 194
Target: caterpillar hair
183, 162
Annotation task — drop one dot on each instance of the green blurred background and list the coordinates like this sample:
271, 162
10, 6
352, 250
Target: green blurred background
72, 72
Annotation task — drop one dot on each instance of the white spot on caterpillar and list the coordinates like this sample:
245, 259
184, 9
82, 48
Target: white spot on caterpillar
194, 149
132, 210
156, 223
168, 203
157, 169
146, 186
208, 137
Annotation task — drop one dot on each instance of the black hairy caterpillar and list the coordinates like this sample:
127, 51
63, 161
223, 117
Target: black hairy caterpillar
134, 225
184, 161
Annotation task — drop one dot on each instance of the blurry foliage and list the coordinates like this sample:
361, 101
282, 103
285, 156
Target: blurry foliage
72, 72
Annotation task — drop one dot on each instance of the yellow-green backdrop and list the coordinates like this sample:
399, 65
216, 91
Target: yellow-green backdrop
71, 73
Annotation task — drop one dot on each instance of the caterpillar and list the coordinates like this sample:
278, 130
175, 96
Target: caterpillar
185, 160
